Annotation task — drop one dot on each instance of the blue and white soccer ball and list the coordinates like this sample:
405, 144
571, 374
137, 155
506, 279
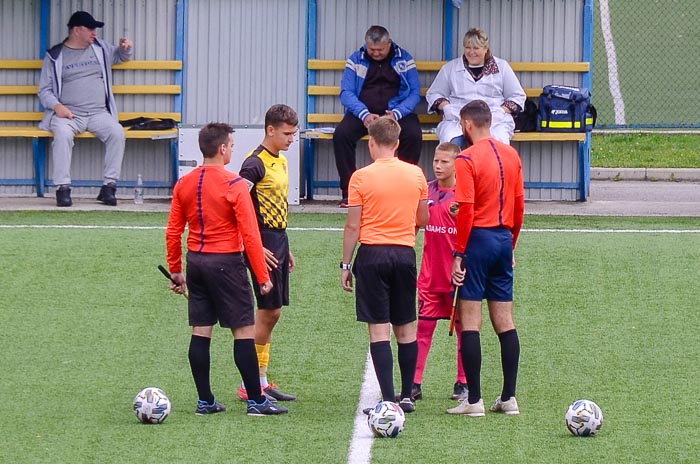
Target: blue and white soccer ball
584, 418
151, 405
386, 420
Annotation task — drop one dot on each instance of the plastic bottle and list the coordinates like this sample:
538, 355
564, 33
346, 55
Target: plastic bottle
138, 191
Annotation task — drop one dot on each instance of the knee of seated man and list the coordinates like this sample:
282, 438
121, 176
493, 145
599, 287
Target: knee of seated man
62, 132
116, 132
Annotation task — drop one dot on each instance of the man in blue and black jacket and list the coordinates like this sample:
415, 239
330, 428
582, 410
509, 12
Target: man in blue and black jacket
380, 79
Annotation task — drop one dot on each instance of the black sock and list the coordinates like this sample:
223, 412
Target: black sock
384, 367
199, 364
510, 354
408, 357
246, 359
471, 361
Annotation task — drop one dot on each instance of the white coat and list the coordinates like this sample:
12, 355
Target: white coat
456, 84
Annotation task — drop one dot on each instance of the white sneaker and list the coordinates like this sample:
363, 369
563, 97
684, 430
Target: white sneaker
509, 407
466, 409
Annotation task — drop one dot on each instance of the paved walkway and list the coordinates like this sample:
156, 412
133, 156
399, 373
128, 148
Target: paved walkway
608, 198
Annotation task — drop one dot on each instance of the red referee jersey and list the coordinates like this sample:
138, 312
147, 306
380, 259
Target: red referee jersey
490, 175
215, 204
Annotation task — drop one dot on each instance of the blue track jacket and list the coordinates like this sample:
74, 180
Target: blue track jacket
354, 77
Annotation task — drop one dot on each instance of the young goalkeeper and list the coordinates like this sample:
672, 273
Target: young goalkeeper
435, 295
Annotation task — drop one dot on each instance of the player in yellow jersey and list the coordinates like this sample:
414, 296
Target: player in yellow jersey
266, 171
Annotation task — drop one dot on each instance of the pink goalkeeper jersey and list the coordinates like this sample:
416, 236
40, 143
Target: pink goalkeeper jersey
440, 239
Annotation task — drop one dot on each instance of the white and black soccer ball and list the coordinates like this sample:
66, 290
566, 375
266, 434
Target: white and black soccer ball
584, 418
151, 405
386, 420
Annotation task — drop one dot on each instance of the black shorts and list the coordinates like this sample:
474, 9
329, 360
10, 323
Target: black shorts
385, 289
278, 243
219, 290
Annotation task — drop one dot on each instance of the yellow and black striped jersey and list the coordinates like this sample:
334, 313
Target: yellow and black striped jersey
268, 179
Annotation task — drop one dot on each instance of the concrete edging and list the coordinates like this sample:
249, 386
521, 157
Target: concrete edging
647, 174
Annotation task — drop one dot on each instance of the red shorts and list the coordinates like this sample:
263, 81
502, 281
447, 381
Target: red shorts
434, 305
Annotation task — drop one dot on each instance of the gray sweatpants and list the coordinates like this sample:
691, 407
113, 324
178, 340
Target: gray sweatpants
105, 128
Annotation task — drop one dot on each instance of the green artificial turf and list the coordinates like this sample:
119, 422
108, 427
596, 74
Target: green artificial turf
88, 321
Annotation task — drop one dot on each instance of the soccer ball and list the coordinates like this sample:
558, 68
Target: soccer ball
151, 405
386, 420
584, 418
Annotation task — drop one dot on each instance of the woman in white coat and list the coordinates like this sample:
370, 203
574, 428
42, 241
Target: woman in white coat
476, 75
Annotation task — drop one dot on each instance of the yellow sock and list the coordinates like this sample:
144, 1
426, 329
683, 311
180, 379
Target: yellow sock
263, 359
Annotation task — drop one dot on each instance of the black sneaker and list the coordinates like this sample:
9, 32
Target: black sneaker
460, 391
272, 391
343, 203
366, 411
266, 408
204, 408
408, 405
108, 194
63, 196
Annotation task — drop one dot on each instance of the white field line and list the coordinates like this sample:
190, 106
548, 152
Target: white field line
360, 451
76, 226
338, 229
613, 78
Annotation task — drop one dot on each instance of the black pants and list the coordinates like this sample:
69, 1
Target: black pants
351, 129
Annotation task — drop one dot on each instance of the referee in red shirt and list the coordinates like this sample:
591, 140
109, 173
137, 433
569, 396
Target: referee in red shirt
215, 205
491, 196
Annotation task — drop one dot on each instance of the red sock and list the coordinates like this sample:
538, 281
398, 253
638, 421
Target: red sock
424, 335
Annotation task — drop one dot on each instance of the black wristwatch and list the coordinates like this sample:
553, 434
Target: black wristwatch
458, 254
345, 266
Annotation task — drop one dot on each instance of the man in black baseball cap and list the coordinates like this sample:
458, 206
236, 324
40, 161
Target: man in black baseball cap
83, 18
75, 88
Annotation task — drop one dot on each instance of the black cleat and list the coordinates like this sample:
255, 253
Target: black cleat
460, 391
272, 391
108, 194
416, 392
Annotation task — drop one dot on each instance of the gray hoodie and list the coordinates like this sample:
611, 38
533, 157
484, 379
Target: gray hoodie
50, 81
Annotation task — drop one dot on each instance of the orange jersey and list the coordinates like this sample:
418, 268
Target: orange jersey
388, 190
490, 175
216, 206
